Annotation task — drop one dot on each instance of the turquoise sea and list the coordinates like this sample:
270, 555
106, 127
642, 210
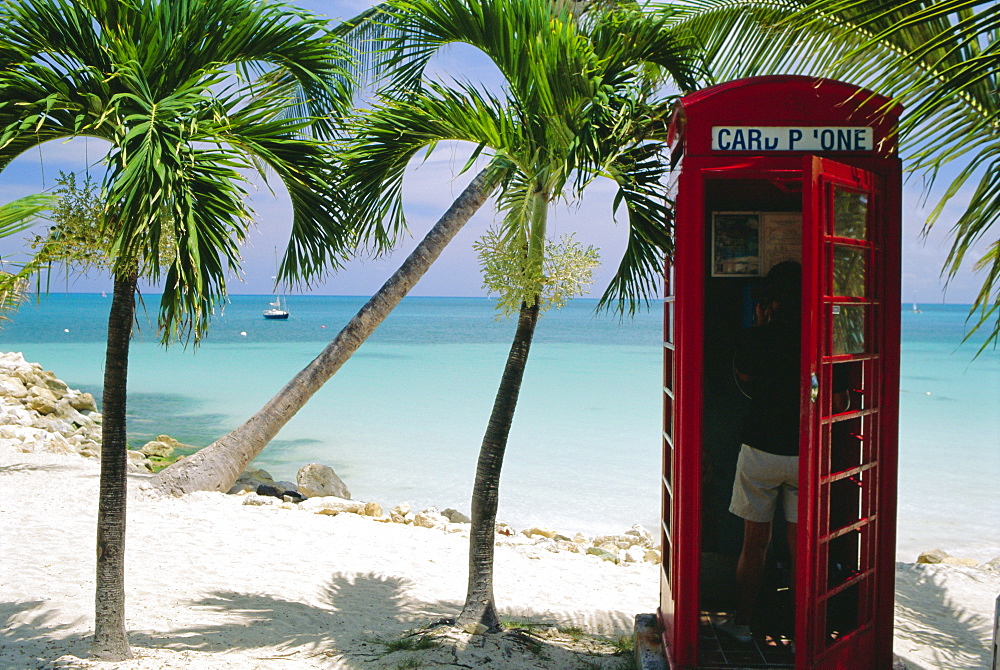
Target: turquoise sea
403, 419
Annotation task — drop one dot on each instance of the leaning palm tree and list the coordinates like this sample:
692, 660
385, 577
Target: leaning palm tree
941, 60
217, 466
188, 94
579, 105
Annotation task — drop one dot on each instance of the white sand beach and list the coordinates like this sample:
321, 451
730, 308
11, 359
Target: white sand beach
213, 583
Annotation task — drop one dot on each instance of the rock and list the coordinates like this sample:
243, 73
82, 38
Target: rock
430, 518
83, 402
372, 509
171, 442
291, 496
538, 532
41, 400
28, 439
503, 529
54, 384
176, 445
288, 486
89, 433
644, 536
992, 565
635, 554
455, 516
608, 541
652, 556
332, 505
320, 480
933, 556
157, 449
53, 424
967, 562
66, 412
399, 512
137, 462
12, 387
250, 479
603, 554
268, 490
572, 547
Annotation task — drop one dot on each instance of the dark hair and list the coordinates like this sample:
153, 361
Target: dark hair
783, 285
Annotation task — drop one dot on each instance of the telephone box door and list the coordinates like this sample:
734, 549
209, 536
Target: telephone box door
846, 528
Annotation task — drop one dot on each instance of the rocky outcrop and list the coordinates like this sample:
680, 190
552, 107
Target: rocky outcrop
39, 413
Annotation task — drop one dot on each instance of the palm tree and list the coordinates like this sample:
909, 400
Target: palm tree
187, 94
941, 60
577, 108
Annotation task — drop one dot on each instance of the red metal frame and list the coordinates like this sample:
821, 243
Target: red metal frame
804, 102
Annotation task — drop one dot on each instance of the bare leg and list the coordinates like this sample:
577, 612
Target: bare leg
750, 569
790, 531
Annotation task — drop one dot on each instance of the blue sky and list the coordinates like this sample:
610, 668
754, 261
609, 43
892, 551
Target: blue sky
429, 189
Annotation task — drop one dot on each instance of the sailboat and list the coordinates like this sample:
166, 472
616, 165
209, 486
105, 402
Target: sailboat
276, 311
916, 310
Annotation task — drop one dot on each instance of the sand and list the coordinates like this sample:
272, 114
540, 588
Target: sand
215, 584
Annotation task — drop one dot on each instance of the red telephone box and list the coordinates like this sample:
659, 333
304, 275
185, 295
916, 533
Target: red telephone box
784, 168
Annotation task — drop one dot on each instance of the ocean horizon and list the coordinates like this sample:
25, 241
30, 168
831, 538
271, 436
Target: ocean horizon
404, 418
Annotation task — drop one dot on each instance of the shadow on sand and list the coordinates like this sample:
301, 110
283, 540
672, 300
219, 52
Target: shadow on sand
927, 615
355, 619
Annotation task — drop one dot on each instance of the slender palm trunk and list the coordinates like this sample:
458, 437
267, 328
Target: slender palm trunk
110, 642
217, 466
480, 607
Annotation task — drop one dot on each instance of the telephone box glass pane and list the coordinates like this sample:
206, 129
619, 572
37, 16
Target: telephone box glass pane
848, 329
849, 271
850, 214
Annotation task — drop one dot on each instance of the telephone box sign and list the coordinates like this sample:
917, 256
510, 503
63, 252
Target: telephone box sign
792, 138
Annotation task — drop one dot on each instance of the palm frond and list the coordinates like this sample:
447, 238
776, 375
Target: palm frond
18, 215
387, 137
190, 94
642, 187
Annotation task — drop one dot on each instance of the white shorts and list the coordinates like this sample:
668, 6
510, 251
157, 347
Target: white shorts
759, 478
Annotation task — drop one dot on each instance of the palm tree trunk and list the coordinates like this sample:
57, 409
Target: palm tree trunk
217, 466
110, 642
480, 607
